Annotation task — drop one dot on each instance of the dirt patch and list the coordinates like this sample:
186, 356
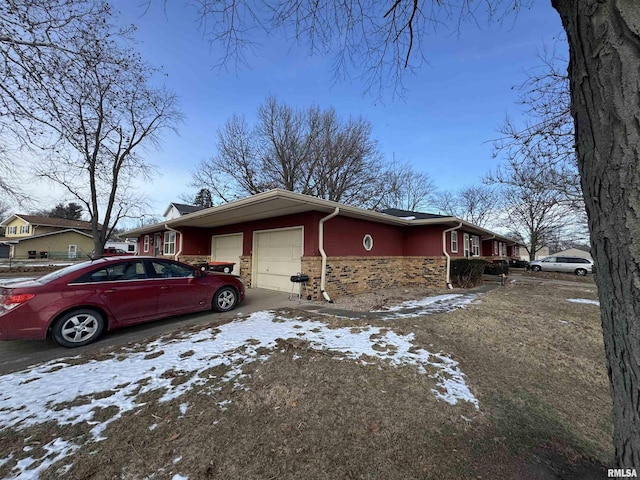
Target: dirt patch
534, 360
386, 297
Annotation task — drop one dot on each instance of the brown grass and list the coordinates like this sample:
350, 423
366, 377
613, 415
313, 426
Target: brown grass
541, 383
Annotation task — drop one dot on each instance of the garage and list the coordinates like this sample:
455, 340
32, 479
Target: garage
276, 256
227, 248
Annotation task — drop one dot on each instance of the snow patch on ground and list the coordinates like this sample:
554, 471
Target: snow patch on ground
584, 300
49, 391
427, 306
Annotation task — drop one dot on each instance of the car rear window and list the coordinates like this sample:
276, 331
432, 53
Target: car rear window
118, 272
49, 277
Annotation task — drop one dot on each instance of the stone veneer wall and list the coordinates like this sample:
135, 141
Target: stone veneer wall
194, 259
353, 275
245, 269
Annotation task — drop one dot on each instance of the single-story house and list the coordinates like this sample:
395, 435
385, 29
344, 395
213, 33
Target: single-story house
278, 234
34, 236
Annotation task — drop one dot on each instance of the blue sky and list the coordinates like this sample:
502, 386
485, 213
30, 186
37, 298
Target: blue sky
443, 126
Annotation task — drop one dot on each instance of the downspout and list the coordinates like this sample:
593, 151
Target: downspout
179, 252
323, 274
446, 254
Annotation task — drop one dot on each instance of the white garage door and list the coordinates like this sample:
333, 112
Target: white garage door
227, 248
277, 255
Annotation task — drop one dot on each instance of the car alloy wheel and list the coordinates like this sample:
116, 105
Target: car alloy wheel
225, 299
77, 328
581, 272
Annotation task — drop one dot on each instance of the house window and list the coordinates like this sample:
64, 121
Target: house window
147, 239
24, 229
495, 247
475, 246
454, 242
465, 246
503, 249
12, 230
367, 242
169, 243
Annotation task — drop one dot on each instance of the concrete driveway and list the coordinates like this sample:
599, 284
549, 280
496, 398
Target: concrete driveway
18, 355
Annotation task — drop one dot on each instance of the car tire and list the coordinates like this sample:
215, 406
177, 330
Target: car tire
225, 299
536, 268
581, 272
78, 327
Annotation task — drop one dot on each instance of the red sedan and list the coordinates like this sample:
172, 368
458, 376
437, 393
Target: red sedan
75, 304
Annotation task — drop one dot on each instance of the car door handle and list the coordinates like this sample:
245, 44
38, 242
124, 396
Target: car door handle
111, 290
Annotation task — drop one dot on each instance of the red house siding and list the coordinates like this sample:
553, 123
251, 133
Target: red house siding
425, 241
309, 222
344, 237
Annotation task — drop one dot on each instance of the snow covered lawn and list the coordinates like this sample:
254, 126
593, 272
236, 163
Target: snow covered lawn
69, 392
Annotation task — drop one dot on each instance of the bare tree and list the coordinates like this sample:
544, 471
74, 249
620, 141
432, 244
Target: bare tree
547, 138
475, 204
88, 107
384, 38
308, 151
32, 33
407, 189
534, 216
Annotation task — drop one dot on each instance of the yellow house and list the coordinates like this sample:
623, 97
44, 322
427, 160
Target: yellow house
33, 236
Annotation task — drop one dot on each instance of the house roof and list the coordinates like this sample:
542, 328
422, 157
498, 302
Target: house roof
48, 234
573, 252
50, 222
410, 215
183, 208
277, 202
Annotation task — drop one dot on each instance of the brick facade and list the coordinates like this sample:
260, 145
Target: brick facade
353, 275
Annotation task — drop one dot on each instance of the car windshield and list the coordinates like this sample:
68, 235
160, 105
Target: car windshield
49, 277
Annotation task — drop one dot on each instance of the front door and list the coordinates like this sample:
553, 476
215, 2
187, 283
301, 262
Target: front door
156, 244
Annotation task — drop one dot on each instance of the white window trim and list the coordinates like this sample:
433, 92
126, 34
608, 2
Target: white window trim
24, 229
147, 239
465, 246
475, 246
169, 243
454, 241
367, 239
12, 230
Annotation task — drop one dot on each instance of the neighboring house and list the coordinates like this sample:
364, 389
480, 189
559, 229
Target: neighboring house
33, 236
274, 235
175, 210
542, 252
574, 252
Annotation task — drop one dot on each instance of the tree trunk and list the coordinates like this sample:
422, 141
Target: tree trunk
604, 71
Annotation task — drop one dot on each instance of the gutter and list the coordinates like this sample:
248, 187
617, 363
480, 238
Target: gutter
178, 233
444, 250
323, 274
